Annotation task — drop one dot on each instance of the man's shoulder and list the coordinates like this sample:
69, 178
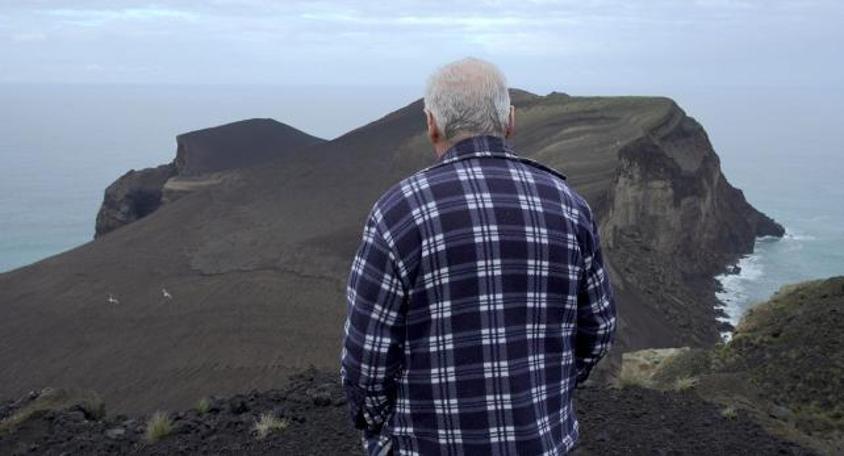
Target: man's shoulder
539, 168
557, 179
574, 206
414, 186
402, 196
415, 190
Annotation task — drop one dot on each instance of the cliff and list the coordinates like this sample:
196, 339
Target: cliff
133, 195
669, 193
200, 156
254, 266
672, 219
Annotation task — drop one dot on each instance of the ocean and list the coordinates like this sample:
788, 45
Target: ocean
61, 145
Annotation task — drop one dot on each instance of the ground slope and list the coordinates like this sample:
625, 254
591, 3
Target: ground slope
256, 264
784, 365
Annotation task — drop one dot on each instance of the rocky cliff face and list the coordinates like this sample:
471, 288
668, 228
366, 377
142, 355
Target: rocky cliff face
200, 156
133, 195
670, 195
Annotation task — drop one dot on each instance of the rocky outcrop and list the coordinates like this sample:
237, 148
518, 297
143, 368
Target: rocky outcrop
669, 194
134, 195
200, 156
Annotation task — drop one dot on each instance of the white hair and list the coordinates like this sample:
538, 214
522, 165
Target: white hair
468, 97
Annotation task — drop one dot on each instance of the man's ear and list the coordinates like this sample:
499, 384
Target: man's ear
433, 131
511, 123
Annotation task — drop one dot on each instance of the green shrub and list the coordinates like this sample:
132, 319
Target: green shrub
269, 423
203, 406
159, 425
685, 383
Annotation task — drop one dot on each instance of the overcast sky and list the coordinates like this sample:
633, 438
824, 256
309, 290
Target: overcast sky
540, 44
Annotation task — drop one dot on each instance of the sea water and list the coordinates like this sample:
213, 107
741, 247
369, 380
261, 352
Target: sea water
61, 145
775, 262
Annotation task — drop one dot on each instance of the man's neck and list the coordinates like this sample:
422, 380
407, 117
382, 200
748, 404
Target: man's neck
442, 147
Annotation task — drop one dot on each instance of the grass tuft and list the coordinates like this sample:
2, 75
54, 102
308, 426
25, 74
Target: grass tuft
203, 406
269, 423
159, 425
685, 383
730, 412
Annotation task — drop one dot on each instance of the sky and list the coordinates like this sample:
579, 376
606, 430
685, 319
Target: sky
540, 44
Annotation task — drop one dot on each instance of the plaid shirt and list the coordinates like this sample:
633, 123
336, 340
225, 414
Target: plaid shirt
476, 302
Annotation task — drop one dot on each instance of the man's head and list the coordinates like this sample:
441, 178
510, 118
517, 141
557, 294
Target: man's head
467, 98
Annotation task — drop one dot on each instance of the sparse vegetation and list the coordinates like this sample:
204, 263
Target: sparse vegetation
730, 412
687, 363
685, 383
269, 423
234, 425
88, 402
159, 425
203, 406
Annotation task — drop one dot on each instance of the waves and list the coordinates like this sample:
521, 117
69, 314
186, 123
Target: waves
789, 236
736, 287
796, 257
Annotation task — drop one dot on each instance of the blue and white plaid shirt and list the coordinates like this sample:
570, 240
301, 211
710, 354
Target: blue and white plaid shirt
476, 302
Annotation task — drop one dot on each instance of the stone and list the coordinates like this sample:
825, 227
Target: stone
116, 433
238, 406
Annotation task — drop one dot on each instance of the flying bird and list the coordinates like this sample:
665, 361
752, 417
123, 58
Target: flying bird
112, 300
166, 294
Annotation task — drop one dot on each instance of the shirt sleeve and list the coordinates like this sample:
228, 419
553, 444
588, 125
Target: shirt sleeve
374, 330
596, 312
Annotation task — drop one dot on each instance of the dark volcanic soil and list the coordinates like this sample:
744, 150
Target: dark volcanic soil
630, 421
634, 421
237, 284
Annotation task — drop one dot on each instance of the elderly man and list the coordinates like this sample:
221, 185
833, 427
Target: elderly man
477, 299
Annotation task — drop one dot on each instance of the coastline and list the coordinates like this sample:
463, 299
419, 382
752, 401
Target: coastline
754, 277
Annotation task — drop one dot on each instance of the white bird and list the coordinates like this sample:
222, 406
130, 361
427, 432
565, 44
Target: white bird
166, 294
112, 300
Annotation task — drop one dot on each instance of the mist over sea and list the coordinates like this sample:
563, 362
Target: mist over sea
61, 145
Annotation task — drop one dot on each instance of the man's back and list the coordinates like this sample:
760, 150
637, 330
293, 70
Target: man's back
476, 301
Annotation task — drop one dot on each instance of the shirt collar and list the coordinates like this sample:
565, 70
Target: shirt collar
487, 146
478, 146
